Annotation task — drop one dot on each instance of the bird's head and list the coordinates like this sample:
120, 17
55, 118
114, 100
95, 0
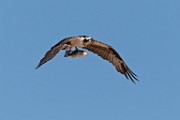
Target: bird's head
86, 40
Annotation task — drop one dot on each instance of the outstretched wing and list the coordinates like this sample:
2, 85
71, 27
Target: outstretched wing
108, 53
52, 52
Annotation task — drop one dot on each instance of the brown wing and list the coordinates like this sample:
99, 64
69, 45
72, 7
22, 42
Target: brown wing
108, 53
52, 52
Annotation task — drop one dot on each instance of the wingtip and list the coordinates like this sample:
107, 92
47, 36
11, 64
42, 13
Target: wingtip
37, 66
130, 75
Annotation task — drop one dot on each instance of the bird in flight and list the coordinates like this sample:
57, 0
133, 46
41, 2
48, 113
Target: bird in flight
85, 42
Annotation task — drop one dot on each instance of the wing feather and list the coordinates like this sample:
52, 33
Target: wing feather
108, 53
52, 52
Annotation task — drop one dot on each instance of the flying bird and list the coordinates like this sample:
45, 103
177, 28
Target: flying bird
85, 42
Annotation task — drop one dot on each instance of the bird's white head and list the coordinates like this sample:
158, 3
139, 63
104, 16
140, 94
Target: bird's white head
85, 40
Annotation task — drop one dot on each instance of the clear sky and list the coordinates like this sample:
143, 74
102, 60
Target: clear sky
146, 33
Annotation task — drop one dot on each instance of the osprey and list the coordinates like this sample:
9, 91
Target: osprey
101, 49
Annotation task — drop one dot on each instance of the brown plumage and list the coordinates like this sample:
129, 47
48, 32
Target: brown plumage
103, 50
108, 53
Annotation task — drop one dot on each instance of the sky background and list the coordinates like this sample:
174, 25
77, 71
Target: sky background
146, 33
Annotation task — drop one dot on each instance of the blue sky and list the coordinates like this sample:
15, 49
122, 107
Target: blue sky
146, 33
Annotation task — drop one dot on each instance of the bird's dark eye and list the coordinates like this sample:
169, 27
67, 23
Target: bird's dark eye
85, 40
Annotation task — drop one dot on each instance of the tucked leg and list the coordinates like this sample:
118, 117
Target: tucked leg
68, 53
76, 49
